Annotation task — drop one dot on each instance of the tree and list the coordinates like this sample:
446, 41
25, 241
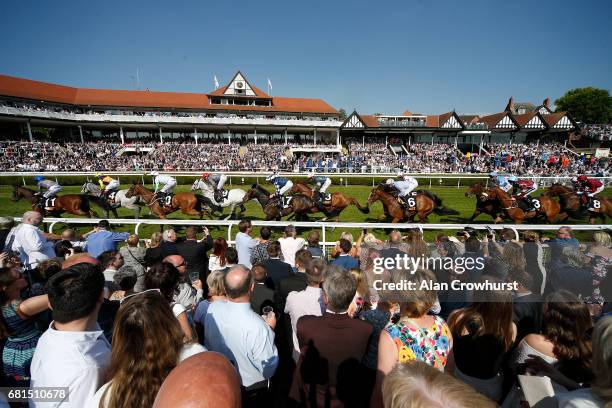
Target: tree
588, 105
342, 114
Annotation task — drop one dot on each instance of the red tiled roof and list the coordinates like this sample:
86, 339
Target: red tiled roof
524, 118
552, 118
370, 120
433, 121
43, 91
258, 92
407, 113
493, 120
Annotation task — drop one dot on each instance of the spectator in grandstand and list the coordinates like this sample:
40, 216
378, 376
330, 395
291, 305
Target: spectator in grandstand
134, 257
260, 251
277, 270
290, 244
141, 358
217, 259
73, 352
125, 280
204, 380
165, 278
189, 293
100, 239
416, 384
262, 295
313, 245
344, 259
234, 330
153, 253
333, 368
244, 243
17, 324
308, 301
30, 242
194, 253
482, 335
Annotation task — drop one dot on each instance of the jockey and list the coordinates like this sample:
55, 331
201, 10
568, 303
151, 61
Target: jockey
500, 181
587, 186
321, 184
107, 184
409, 179
217, 181
282, 185
168, 181
404, 188
524, 188
52, 187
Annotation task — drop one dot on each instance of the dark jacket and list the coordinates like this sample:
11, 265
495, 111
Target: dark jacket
262, 296
277, 270
195, 256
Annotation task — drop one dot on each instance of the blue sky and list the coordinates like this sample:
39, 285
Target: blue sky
427, 56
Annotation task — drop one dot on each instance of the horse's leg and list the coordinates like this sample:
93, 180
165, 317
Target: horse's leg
191, 211
242, 208
231, 213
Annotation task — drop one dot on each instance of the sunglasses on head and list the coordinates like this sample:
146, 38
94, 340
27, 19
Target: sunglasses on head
139, 293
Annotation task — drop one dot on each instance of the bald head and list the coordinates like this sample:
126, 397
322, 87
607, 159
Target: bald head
206, 380
178, 262
32, 217
238, 282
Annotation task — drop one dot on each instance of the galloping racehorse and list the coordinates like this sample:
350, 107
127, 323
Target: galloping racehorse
120, 199
299, 206
235, 197
483, 203
188, 203
548, 207
338, 203
570, 203
423, 204
76, 204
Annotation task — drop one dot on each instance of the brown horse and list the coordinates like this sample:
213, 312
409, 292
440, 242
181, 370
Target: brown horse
188, 203
76, 204
339, 201
424, 206
484, 205
299, 206
549, 208
570, 203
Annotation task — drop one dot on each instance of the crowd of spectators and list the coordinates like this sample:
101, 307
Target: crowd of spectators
273, 322
602, 133
545, 159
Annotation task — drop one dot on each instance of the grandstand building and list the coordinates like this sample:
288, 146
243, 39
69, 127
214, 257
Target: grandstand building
515, 124
236, 112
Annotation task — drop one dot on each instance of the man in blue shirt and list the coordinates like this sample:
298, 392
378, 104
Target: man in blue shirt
244, 243
234, 330
344, 260
101, 240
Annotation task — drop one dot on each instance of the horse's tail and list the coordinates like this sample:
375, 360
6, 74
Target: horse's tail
87, 198
85, 204
364, 210
439, 208
207, 202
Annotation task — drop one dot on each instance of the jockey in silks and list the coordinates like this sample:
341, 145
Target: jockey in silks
522, 189
404, 188
321, 184
52, 187
587, 188
169, 183
500, 181
282, 186
217, 181
107, 184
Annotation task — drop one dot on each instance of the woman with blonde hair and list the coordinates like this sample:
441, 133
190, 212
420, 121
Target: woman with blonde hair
418, 385
153, 254
216, 291
147, 345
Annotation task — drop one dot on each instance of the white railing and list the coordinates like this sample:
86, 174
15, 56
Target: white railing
159, 119
324, 226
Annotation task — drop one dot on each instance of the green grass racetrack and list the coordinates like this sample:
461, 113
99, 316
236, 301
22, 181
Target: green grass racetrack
452, 197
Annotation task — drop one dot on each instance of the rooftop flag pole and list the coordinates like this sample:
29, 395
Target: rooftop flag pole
216, 82
269, 86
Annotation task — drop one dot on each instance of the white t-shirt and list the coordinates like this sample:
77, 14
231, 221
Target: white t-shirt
188, 350
289, 246
32, 245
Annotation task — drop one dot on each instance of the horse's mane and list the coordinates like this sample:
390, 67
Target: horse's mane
25, 188
260, 188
